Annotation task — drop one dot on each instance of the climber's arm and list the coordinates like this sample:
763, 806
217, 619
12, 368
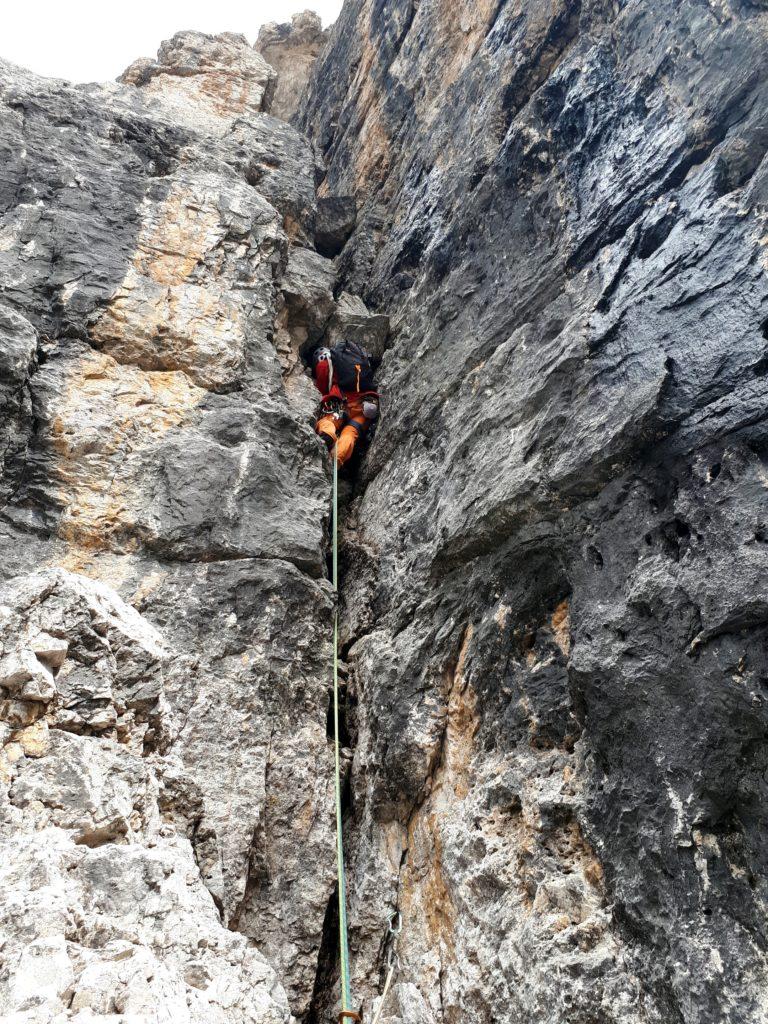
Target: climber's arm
322, 371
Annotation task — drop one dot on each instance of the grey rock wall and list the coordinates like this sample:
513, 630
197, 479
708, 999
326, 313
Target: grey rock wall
166, 814
554, 567
548, 222
104, 912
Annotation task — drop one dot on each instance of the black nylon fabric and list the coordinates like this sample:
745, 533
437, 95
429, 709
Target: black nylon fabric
352, 368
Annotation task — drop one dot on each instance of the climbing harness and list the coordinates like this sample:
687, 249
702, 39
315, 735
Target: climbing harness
332, 406
393, 962
395, 923
346, 1012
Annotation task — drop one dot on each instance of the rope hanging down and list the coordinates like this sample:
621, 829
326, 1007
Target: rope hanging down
394, 928
346, 1012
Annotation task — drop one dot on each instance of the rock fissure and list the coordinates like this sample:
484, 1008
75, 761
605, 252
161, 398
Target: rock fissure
553, 618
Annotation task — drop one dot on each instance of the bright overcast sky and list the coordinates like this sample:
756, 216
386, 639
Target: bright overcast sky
94, 40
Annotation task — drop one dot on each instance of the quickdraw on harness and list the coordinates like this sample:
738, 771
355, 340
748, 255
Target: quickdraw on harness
336, 407
333, 406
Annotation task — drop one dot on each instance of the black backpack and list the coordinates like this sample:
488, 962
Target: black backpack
352, 369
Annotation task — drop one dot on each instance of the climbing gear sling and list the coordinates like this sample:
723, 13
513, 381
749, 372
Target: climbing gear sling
346, 1012
333, 406
393, 963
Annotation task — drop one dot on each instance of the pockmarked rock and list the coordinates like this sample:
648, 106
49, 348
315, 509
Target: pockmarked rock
553, 608
165, 620
88, 836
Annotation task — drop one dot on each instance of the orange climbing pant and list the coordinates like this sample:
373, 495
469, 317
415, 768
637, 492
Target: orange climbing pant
356, 425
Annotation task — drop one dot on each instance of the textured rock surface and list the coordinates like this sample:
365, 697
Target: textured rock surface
291, 49
352, 320
205, 82
555, 564
554, 557
104, 911
335, 222
152, 257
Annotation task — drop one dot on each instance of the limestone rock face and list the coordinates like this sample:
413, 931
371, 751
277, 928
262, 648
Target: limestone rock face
554, 568
291, 49
547, 222
166, 774
205, 82
351, 320
104, 911
335, 222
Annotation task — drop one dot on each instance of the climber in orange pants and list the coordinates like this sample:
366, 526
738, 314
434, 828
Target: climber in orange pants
353, 423
350, 406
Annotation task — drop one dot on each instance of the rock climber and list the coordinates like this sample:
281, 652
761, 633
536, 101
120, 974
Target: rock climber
350, 406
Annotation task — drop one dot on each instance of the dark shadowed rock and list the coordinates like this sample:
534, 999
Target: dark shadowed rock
18, 349
335, 222
554, 572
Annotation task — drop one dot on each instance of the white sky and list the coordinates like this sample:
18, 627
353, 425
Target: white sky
95, 40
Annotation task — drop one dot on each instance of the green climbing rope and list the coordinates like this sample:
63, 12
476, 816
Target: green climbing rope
342, 882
